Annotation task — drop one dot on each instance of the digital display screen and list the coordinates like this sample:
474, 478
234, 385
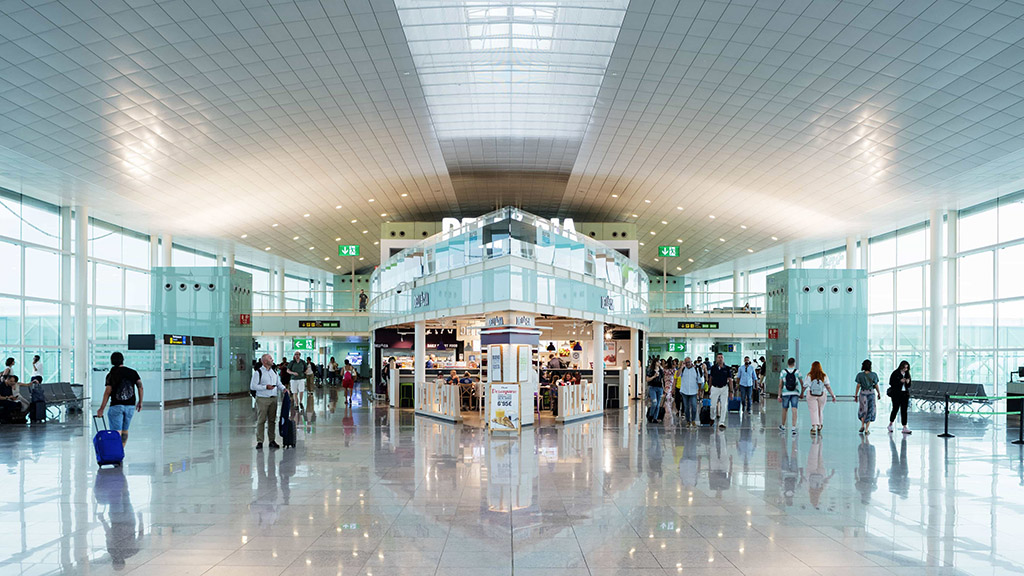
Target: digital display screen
319, 324
355, 358
698, 325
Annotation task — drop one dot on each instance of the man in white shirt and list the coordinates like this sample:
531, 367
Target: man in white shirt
266, 384
747, 375
690, 379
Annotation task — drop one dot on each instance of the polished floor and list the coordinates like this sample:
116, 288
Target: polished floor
374, 492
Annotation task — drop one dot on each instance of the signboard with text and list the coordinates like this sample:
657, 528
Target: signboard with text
244, 319
676, 347
303, 343
698, 325
348, 249
773, 333
503, 408
668, 251
319, 323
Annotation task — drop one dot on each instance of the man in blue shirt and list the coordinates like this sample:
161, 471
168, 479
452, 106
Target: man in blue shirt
747, 375
721, 388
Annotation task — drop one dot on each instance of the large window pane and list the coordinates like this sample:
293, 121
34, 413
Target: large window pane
104, 243
136, 290
977, 229
42, 274
912, 246
40, 225
910, 331
880, 332
108, 286
10, 212
1011, 219
882, 253
1011, 324
1011, 271
977, 366
975, 326
10, 277
10, 321
910, 288
135, 251
975, 277
880, 287
108, 324
42, 323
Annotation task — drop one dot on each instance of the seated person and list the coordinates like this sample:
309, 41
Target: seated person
467, 378
453, 377
10, 401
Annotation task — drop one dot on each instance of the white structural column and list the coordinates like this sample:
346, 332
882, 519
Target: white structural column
852, 261
419, 354
280, 287
166, 244
787, 258
634, 364
935, 344
952, 296
798, 262
82, 367
231, 260
736, 287
598, 353
154, 250
66, 340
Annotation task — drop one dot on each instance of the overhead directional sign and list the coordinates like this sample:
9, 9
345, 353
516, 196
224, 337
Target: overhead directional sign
303, 343
668, 251
348, 249
698, 325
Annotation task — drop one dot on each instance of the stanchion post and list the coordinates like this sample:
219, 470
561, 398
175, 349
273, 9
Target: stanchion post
1020, 428
945, 427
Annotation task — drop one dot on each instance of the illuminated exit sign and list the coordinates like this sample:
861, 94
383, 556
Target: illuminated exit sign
348, 249
668, 251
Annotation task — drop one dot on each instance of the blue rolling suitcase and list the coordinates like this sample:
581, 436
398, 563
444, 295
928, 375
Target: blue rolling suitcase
107, 443
734, 404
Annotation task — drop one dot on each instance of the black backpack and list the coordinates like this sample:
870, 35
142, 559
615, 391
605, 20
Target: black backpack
790, 381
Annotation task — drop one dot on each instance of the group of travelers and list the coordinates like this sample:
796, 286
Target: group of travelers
689, 382
15, 407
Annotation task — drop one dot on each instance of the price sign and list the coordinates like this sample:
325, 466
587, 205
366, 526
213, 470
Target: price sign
503, 415
348, 249
668, 251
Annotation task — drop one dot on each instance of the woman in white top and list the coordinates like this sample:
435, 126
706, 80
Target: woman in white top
37, 370
815, 385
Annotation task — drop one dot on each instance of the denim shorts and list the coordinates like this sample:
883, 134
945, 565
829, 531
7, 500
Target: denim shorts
790, 401
120, 417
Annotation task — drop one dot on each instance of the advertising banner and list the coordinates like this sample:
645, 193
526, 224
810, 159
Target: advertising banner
504, 408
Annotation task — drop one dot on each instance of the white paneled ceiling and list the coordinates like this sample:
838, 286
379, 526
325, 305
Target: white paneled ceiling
807, 121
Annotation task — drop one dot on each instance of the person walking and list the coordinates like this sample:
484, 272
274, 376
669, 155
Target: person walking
789, 392
866, 393
120, 391
690, 381
266, 384
747, 376
332, 372
899, 391
348, 380
721, 390
817, 385
297, 371
655, 388
8, 369
37, 370
363, 300
310, 374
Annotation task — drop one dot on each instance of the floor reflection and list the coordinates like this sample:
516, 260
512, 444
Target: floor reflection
370, 490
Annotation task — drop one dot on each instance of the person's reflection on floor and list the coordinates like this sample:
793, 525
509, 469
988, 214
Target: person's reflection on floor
792, 474
264, 509
285, 471
719, 473
348, 424
654, 452
866, 473
899, 482
745, 446
332, 399
689, 462
119, 521
816, 478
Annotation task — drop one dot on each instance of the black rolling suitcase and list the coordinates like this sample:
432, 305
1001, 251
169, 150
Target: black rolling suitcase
705, 413
37, 411
286, 428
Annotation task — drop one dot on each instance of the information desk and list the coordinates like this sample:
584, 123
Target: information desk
1014, 389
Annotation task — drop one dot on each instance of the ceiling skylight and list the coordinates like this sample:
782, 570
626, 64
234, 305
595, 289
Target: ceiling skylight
511, 69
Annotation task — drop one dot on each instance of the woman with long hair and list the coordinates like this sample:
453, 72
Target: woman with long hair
899, 391
816, 383
867, 390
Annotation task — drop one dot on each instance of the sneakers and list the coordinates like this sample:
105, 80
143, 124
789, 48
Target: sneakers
907, 430
890, 428
274, 445
721, 426
259, 445
794, 431
782, 427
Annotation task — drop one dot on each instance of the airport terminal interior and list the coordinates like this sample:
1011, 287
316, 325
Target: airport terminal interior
511, 287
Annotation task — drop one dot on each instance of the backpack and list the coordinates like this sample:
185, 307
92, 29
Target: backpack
817, 387
347, 379
790, 381
259, 374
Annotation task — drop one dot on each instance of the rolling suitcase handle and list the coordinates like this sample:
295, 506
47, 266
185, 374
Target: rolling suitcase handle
101, 419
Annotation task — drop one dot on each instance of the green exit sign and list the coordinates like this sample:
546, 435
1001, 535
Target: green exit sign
348, 249
668, 251
304, 343
677, 346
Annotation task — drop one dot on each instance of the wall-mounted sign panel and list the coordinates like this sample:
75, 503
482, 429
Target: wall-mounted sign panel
319, 324
698, 325
176, 340
304, 343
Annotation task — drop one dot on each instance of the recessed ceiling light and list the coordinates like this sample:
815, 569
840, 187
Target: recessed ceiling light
635, 216
338, 267
354, 221
295, 238
664, 222
365, 231
751, 250
337, 239
678, 268
383, 214
615, 195
712, 216
375, 243
641, 243
774, 238
647, 201
372, 200
721, 239
680, 240
404, 194
267, 248
305, 215
652, 232
310, 247
656, 260
679, 207
360, 259
274, 225
338, 207
326, 258
690, 259
245, 235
